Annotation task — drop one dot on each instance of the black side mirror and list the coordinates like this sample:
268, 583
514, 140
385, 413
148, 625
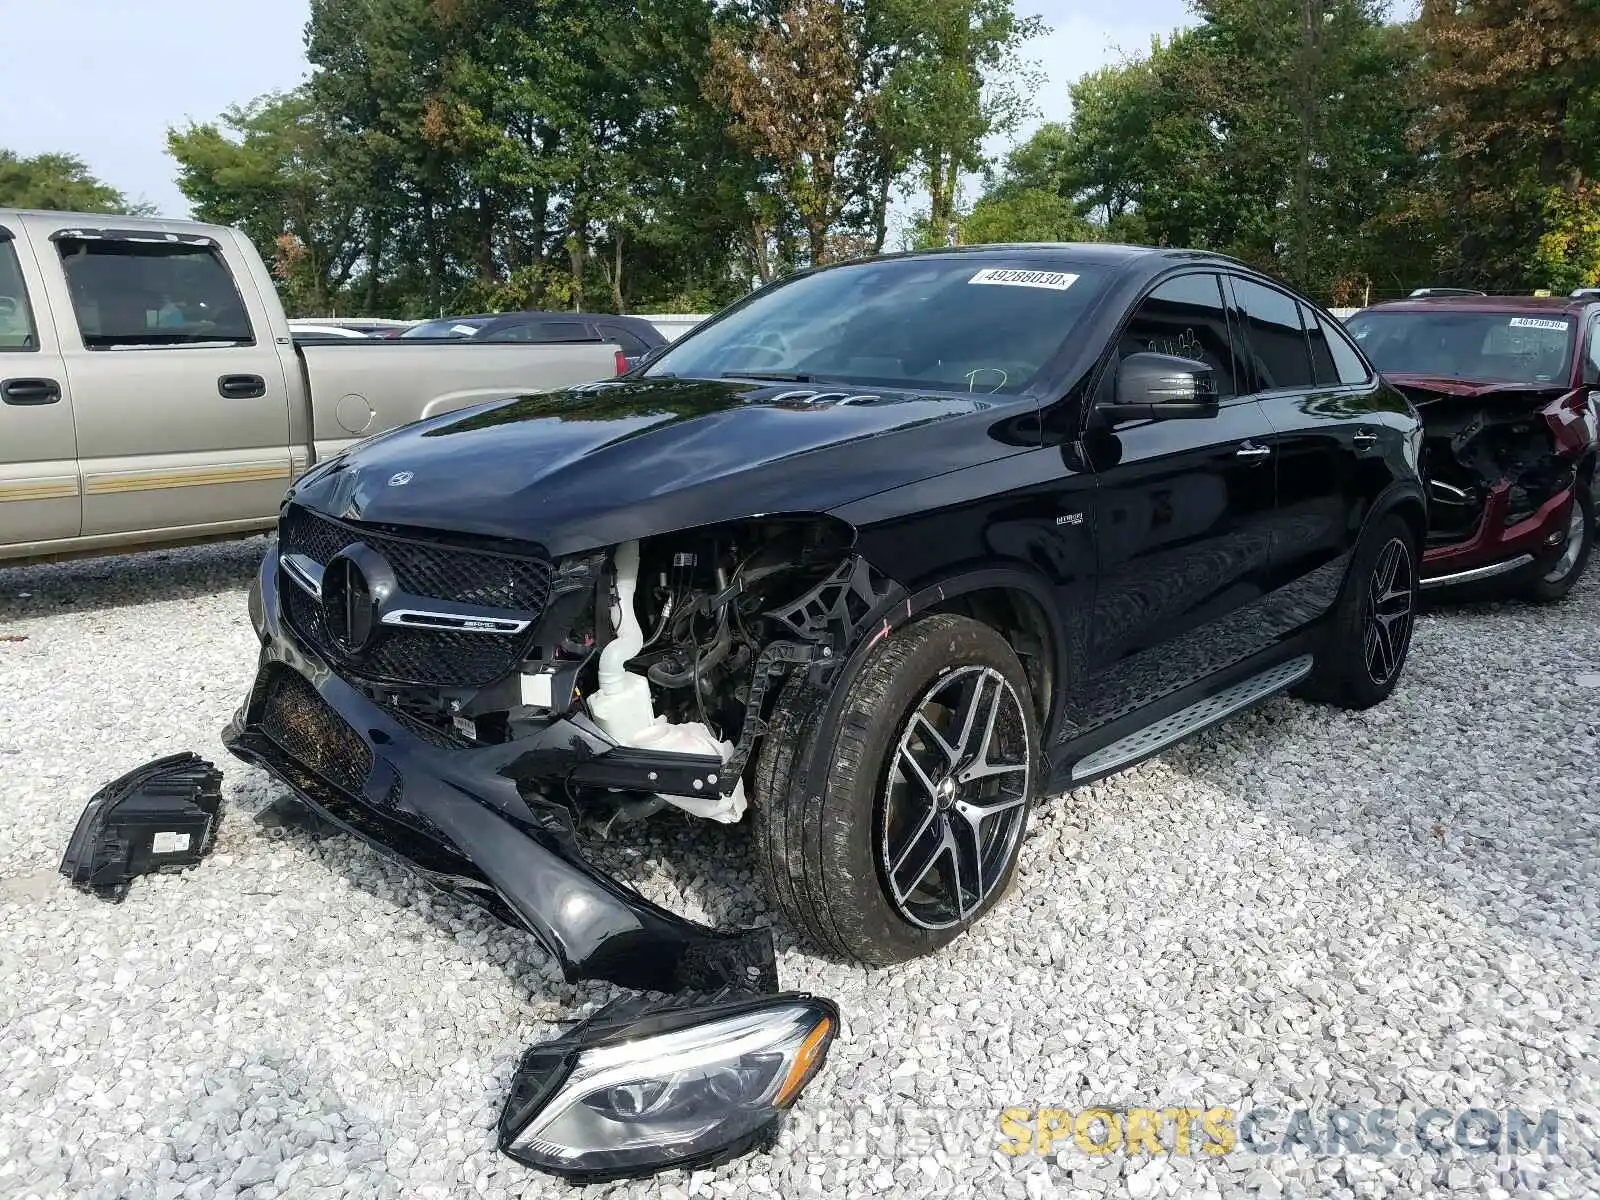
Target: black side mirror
1162, 387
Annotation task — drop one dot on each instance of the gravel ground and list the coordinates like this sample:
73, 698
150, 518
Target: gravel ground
1304, 910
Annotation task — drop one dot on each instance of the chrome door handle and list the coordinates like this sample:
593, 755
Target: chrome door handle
1363, 439
1251, 450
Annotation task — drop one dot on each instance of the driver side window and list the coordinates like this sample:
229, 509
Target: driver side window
16, 318
1185, 317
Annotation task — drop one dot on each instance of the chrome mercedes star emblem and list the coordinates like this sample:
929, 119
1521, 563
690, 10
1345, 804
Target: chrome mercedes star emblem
347, 608
401, 478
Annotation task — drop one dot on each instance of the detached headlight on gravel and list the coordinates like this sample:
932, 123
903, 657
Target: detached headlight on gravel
642, 1087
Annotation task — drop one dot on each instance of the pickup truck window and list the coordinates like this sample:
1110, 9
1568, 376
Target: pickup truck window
145, 294
543, 332
16, 318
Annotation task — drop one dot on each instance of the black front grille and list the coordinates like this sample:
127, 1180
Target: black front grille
464, 575
310, 732
435, 735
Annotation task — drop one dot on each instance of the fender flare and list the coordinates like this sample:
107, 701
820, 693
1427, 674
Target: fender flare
902, 607
1391, 498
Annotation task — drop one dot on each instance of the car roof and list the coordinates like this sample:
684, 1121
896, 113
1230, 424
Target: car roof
1089, 252
533, 316
1559, 305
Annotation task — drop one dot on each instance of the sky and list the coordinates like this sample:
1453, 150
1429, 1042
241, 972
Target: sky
103, 79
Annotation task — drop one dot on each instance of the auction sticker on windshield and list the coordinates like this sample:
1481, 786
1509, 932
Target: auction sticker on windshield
1056, 281
1536, 323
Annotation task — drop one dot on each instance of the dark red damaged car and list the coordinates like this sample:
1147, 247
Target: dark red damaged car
1508, 388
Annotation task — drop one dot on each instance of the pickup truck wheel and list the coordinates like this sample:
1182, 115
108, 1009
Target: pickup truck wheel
918, 824
1555, 576
1369, 631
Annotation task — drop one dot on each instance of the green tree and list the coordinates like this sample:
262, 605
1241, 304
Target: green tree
955, 79
1024, 215
273, 168
1272, 130
792, 84
61, 182
1568, 252
1514, 111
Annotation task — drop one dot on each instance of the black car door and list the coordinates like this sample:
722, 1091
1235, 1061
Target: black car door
1311, 386
1183, 516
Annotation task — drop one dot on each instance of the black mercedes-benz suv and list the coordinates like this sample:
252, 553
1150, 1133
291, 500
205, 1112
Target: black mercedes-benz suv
875, 559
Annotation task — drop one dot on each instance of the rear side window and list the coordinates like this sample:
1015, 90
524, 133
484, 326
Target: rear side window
1346, 358
143, 294
626, 340
1277, 342
539, 331
1186, 317
1324, 370
16, 318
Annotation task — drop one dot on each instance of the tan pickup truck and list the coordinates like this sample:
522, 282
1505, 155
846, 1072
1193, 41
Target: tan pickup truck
151, 391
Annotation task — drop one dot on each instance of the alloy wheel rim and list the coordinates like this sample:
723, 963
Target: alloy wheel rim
1390, 604
1577, 530
955, 798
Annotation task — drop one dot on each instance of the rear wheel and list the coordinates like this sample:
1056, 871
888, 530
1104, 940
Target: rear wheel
1369, 631
1556, 575
915, 828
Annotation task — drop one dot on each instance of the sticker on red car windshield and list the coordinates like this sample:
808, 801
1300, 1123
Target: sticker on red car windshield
1536, 323
1056, 281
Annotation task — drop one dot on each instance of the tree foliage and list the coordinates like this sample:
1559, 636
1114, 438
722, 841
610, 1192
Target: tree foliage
1515, 113
61, 182
463, 154
792, 84
272, 168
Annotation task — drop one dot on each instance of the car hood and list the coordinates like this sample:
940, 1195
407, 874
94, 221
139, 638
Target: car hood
598, 464
1423, 390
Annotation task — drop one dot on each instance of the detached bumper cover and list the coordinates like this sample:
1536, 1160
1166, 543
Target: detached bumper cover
473, 821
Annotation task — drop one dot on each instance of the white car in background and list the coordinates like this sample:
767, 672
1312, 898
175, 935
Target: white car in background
313, 329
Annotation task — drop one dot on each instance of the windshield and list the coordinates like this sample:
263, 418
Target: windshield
449, 327
1483, 347
960, 322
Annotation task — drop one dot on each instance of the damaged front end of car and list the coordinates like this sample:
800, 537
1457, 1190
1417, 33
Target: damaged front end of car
471, 706
1504, 465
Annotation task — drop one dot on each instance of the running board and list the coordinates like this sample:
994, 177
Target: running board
1202, 714
1477, 573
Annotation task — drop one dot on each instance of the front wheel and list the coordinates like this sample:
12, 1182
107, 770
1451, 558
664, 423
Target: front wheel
1554, 577
916, 826
1369, 630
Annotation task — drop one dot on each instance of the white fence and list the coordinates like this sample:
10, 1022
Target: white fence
672, 325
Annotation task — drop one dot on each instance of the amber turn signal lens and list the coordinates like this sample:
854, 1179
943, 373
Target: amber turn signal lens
806, 1061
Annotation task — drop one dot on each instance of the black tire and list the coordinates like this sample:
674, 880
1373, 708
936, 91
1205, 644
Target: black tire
1553, 576
825, 851
1350, 671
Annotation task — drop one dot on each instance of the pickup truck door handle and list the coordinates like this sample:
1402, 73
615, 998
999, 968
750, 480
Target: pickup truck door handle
241, 387
30, 391
1364, 439
1251, 450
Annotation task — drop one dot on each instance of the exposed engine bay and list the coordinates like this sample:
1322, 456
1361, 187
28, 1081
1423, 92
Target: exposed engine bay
1472, 448
1526, 442
676, 648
